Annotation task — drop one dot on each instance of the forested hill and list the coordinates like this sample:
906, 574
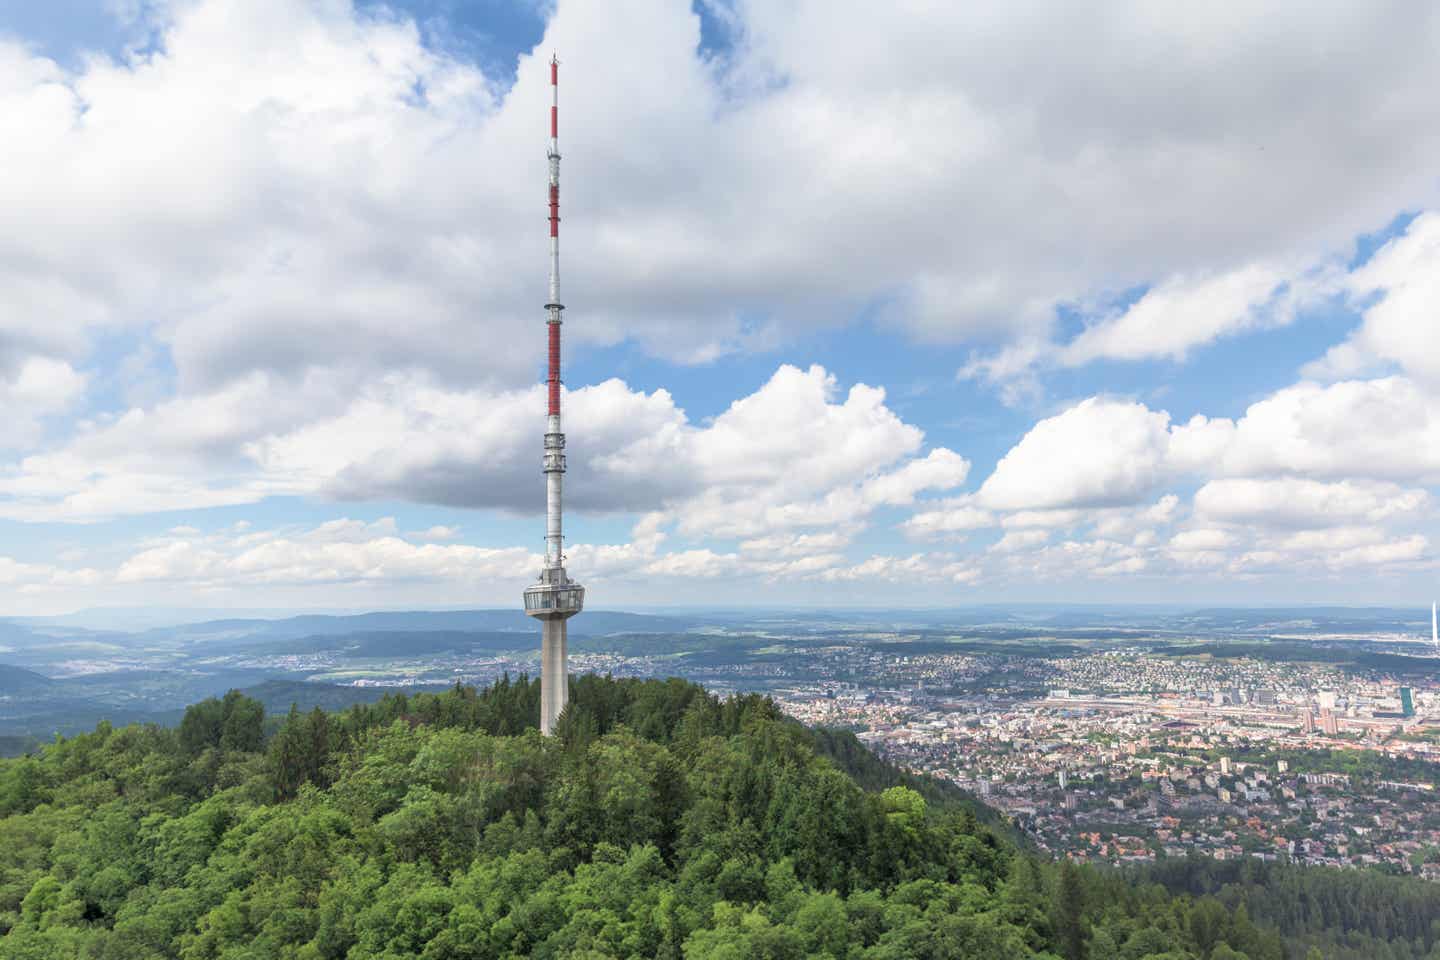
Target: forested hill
661, 822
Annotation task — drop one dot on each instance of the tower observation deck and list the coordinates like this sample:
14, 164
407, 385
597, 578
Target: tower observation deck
554, 598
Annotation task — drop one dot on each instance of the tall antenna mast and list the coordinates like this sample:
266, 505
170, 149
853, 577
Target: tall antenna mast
554, 438
554, 598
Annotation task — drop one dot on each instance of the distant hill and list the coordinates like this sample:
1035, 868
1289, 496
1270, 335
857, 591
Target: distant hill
278, 695
591, 623
15, 680
392, 643
16, 635
69, 716
14, 746
43, 707
61, 706
1305, 620
137, 619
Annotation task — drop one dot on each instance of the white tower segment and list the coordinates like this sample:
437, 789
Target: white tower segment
1435, 627
554, 598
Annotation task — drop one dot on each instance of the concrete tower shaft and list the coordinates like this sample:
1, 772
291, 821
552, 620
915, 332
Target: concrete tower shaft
554, 598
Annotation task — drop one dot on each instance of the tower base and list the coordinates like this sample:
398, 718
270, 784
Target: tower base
554, 674
553, 600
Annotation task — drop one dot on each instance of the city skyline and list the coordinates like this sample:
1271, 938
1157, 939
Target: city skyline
885, 317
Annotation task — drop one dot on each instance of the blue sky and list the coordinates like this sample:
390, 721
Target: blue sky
919, 313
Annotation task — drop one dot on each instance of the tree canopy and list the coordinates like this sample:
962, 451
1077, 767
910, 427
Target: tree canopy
661, 821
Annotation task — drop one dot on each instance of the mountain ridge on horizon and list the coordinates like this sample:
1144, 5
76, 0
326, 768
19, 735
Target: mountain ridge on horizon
97, 623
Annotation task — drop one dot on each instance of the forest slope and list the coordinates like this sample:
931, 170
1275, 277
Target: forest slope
661, 822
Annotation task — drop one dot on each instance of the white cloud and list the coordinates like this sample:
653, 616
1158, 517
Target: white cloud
796, 453
1172, 318
1205, 539
941, 470
418, 441
341, 551
794, 470
1103, 452
792, 545
1312, 479
1330, 539
1098, 453
957, 517
1017, 540
1121, 523
437, 534
917, 568
1296, 502
280, 186
1077, 560
39, 387
31, 577
1401, 324
1182, 313
1185, 147
1408, 550
1320, 554
1385, 429
1021, 519
949, 518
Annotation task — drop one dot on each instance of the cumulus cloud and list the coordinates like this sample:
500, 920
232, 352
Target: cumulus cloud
1017, 540
794, 470
340, 551
941, 469
1201, 540
1297, 502
417, 441
367, 216
1400, 286
1181, 314
1168, 321
953, 518
1386, 429
1151, 147
1106, 452
796, 545
1075, 559
437, 534
1098, 453
916, 568
353, 553
1137, 523
1314, 478
1403, 551
40, 387
26, 578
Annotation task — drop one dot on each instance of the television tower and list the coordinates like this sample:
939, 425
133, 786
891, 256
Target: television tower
554, 598
1435, 628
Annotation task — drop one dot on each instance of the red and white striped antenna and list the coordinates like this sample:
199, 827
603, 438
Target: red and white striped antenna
554, 436
554, 306
554, 598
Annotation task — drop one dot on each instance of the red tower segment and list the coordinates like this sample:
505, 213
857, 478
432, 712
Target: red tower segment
553, 381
